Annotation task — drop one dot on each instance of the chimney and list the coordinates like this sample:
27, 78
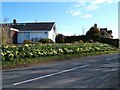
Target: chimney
14, 21
95, 25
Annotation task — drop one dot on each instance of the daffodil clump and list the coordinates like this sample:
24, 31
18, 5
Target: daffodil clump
12, 53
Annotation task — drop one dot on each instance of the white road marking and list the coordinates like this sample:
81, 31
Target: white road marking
49, 75
112, 58
109, 59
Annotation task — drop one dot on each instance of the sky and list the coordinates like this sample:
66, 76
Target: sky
72, 18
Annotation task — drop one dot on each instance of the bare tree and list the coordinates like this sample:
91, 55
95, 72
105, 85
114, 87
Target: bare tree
5, 32
5, 19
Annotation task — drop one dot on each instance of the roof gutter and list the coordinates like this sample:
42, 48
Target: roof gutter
13, 29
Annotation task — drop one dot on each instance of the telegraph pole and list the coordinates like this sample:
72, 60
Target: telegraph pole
83, 30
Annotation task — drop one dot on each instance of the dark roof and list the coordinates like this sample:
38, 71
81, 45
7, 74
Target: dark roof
103, 29
33, 26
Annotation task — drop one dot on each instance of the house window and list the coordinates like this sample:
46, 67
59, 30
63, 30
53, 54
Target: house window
27, 36
45, 32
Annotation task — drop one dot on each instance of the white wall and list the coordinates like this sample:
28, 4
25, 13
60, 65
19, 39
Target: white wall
37, 34
52, 34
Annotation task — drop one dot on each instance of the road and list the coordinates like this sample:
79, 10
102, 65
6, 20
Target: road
99, 71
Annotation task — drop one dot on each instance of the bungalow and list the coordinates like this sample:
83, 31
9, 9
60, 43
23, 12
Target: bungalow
33, 31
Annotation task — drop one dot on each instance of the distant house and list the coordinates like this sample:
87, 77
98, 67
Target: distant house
33, 31
105, 33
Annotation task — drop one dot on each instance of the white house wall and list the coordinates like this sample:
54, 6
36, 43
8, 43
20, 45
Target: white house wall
37, 34
52, 34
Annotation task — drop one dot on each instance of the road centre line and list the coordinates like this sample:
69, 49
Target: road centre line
49, 75
112, 58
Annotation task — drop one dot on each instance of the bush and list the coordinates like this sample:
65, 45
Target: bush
93, 33
76, 42
81, 41
60, 38
90, 41
27, 42
37, 43
46, 40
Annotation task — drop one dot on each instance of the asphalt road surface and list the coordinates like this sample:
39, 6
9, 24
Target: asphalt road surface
99, 71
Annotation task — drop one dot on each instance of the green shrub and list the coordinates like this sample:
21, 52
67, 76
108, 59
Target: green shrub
90, 41
60, 38
93, 33
46, 40
81, 41
36, 42
27, 42
76, 42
